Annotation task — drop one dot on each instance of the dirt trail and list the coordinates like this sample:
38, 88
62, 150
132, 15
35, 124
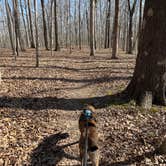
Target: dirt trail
40, 107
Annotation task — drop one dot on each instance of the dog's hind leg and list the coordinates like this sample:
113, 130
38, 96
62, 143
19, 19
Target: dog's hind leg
94, 157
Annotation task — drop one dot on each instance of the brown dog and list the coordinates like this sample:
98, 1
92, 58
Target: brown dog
92, 134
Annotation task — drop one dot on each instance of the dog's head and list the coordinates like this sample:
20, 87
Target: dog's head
88, 113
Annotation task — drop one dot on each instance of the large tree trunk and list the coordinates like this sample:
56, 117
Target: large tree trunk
115, 31
150, 70
57, 48
92, 28
44, 25
31, 26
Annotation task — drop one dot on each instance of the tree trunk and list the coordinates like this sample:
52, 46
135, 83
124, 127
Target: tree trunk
17, 27
57, 48
130, 31
130, 50
107, 26
140, 21
44, 25
37, 38
87, 24
92, 28
115, 31
10, 26
70, 31
31, 26
22, 13
50, 25
150, 70
79, 23
75, 23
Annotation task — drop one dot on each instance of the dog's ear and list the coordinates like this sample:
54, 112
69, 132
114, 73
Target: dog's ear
89, 107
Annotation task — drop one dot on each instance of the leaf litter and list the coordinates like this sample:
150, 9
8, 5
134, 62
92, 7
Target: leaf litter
39, 110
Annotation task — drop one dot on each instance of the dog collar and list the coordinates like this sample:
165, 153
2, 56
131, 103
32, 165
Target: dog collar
87, 113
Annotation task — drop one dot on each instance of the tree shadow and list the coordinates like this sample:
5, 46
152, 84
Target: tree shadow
49, 153
97, 80
37, 103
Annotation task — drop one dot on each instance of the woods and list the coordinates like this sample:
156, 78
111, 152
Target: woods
58, 56
76, 22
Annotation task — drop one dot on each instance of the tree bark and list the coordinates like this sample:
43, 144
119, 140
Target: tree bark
107, 26
115, 31
79, 23
19, 38
50, 25
10, 26
37, 38
57, 48
31, 26
92, 28
130, 31
75, 23
140, 21
44, 25
150, 70
22, 13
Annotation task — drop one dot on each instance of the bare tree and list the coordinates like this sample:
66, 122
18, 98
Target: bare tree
44, 25
19, 40
36, 30
107, 26
92, 28
140, 20
25, 28
79, 28
130, 31
10, 26
50, 25
149, 80
57, 48
115, 31
31, 26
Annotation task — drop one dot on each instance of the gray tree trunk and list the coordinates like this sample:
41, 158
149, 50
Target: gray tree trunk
130, 31
36, 30
10, 26
19, 39
22, 13
57, 47
115, 31
44, 25
31, 26
92, 28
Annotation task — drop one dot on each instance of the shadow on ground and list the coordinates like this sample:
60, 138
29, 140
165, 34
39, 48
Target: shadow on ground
49, 153
36, 103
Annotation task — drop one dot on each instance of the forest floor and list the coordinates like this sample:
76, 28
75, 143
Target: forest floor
40, 107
